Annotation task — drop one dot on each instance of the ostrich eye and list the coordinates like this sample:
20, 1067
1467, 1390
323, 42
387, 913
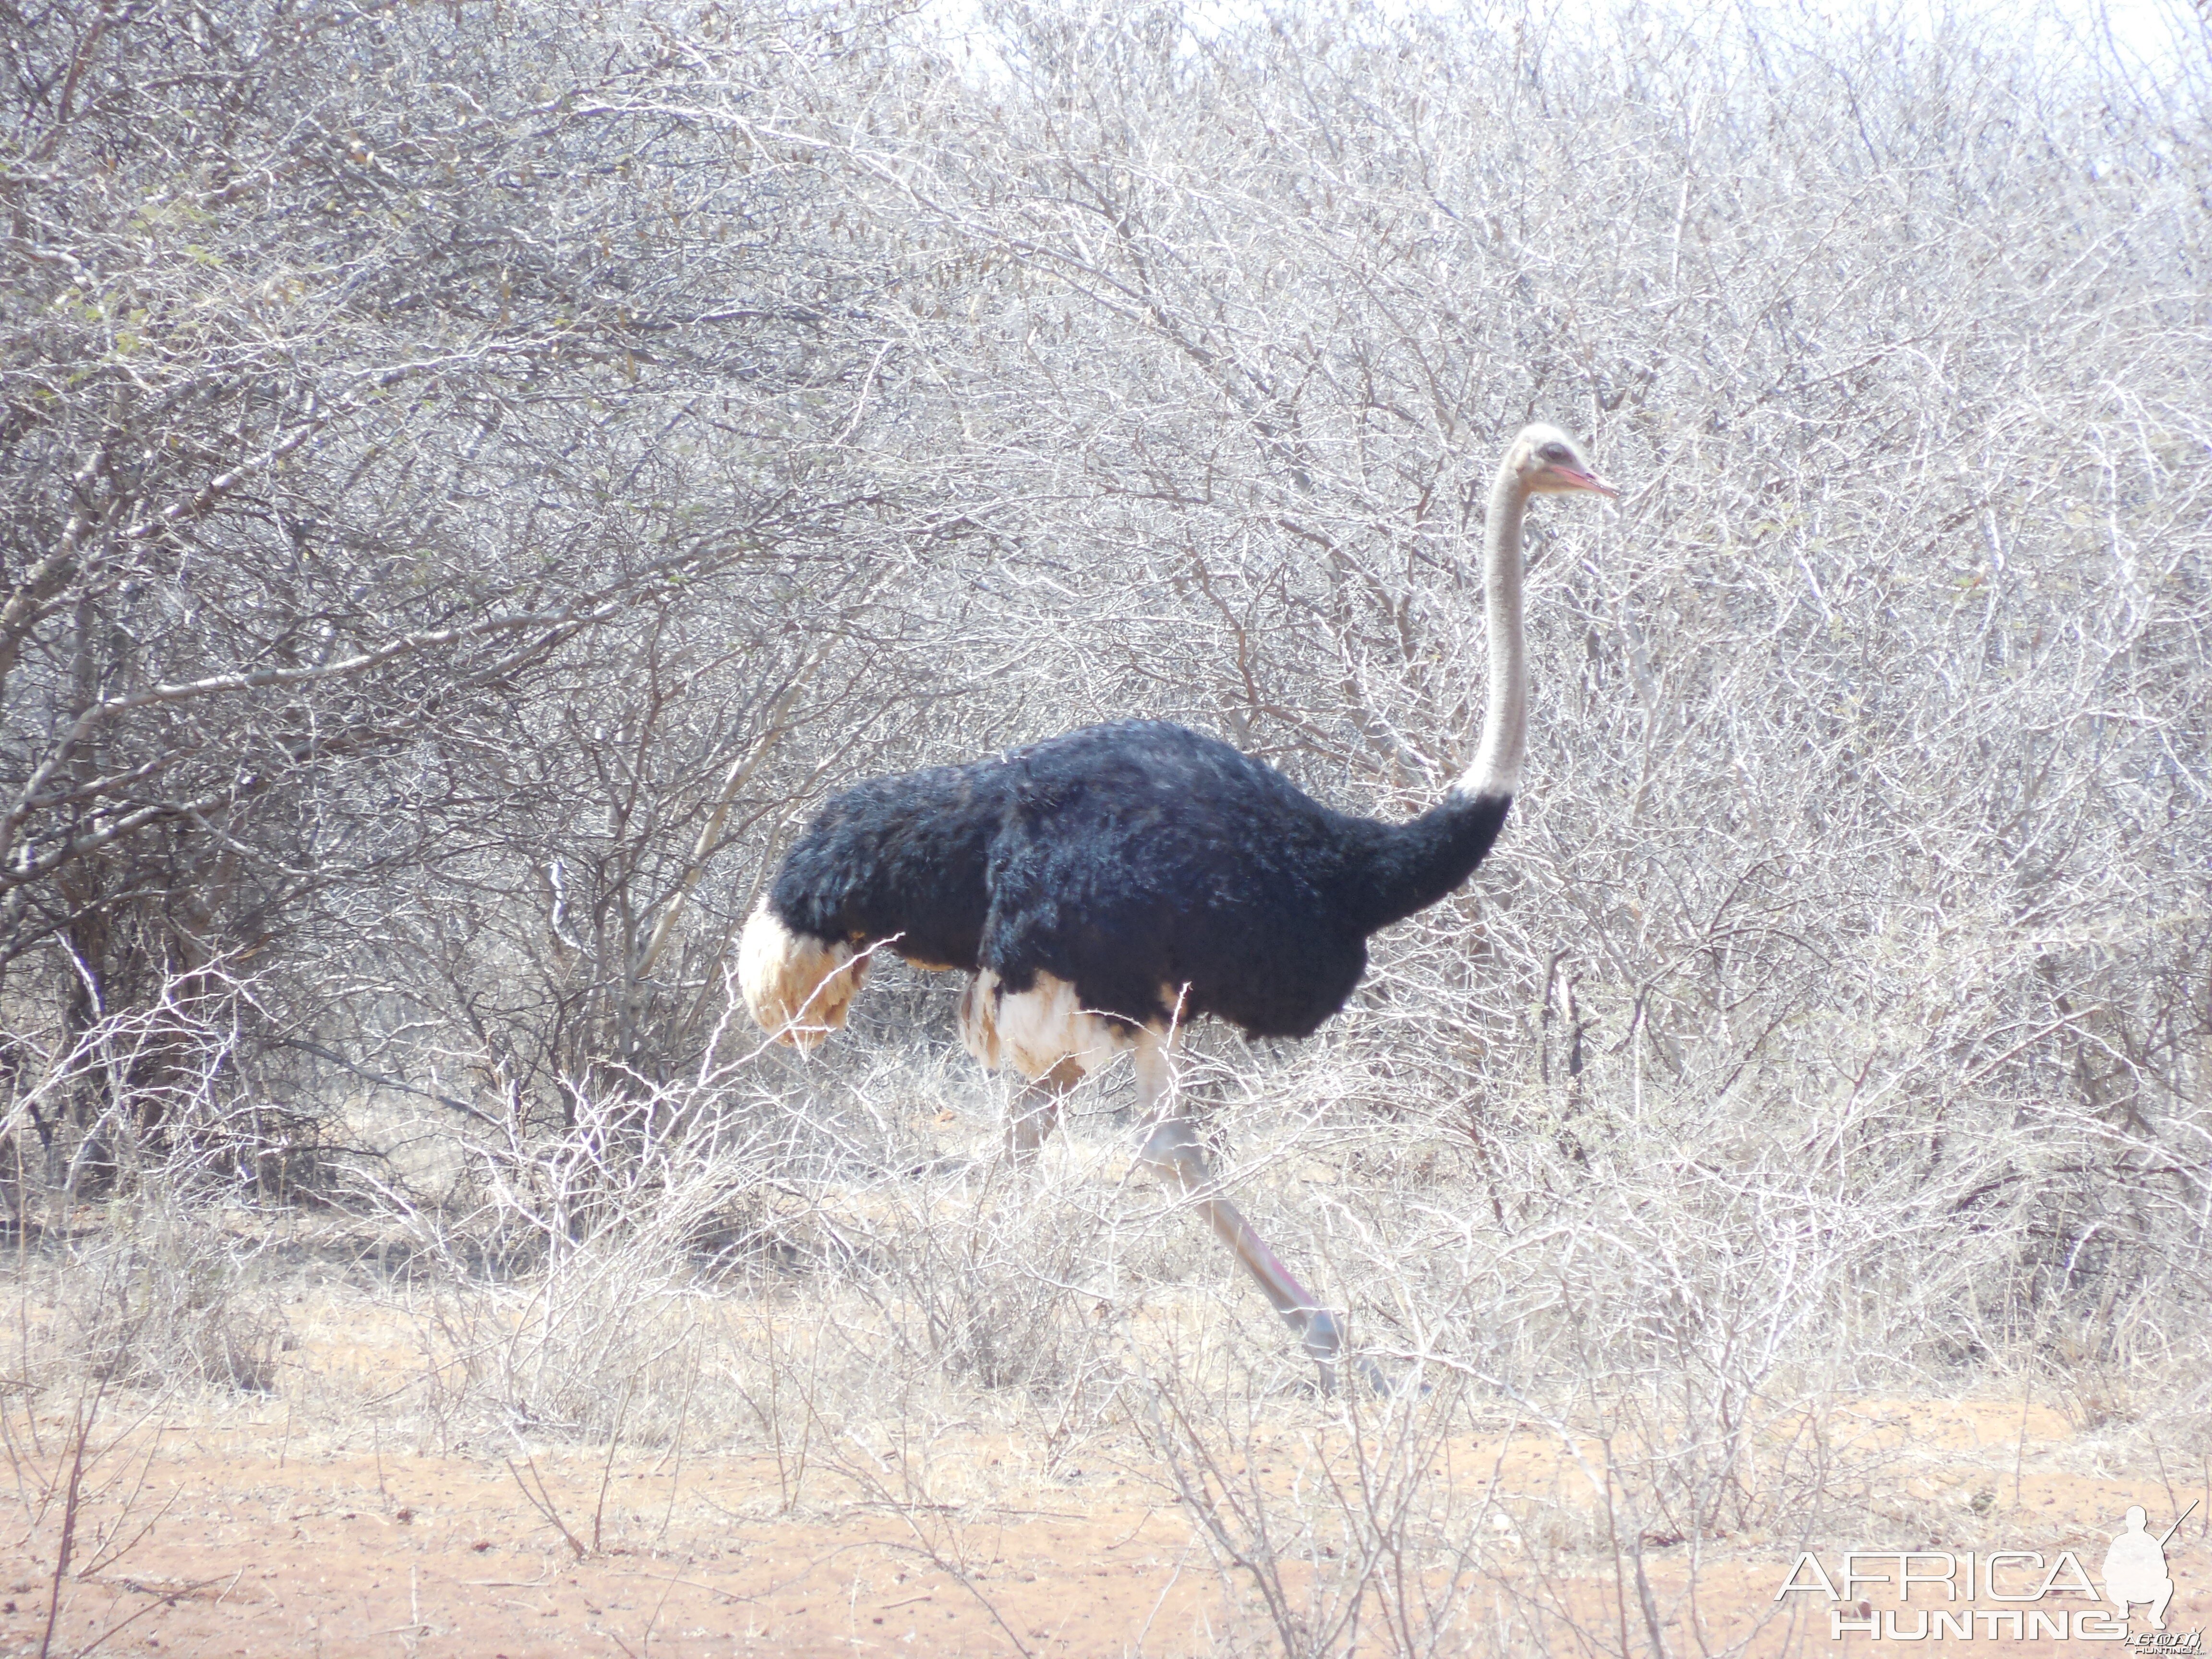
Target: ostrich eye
1553, 453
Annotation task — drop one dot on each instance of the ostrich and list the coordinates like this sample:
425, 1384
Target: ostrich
1105, 886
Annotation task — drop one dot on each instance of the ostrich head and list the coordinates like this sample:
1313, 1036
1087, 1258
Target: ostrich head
1550, 463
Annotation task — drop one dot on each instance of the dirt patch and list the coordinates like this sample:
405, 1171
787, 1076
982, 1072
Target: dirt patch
234, 1541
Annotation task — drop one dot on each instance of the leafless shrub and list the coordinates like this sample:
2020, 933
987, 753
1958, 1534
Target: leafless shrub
139, 1149
568, 1278
169, 1295
87, 1498
978, 1269
313, 573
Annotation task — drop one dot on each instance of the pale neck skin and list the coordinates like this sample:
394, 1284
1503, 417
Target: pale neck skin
1497, 767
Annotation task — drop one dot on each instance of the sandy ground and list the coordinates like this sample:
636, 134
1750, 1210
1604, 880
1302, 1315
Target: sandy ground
237, 1539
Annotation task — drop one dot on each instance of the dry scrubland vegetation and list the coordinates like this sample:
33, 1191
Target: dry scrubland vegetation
473, 476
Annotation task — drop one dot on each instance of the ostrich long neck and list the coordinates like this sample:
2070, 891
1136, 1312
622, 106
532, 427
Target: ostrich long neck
1496, 767
1405, 867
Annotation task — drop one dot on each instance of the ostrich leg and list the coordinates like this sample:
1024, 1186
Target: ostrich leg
1171, 1147
1034, 1113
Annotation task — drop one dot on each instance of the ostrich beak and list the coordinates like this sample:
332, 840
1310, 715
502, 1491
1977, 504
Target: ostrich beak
1568, 478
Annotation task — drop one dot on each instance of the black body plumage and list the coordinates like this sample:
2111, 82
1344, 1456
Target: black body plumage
1127, 859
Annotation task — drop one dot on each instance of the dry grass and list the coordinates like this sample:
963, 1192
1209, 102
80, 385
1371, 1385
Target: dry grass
1634, 1391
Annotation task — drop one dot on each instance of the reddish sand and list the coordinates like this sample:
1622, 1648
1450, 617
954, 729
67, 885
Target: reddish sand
197, 1540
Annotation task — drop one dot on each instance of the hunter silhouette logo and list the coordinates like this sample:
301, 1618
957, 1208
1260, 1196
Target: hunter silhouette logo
2134, 1566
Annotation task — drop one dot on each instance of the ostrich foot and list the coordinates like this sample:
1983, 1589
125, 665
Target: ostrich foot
1323, 1334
